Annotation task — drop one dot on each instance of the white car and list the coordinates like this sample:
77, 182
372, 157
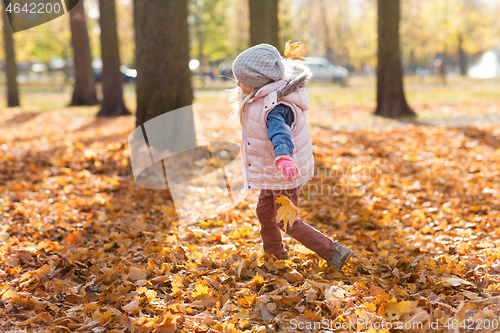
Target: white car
323, 69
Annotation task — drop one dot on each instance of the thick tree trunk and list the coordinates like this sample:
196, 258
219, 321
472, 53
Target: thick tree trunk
391, 101
264, 25
84, 92
112, 91
163, 80
10, 63
462, 56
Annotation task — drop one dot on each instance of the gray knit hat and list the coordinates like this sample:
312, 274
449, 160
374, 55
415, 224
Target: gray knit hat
259, 65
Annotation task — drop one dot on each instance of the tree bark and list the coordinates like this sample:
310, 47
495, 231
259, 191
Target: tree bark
112, 79
84, 92
10, 63
264, 25
163, 80
391, 101
462, 56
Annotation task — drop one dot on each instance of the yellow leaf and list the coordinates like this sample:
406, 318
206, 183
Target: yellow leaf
89, 307
371, 307
287, 212
108, 246
150, 294
112, 181
295, 50
200, 291
396, 309
280, 264
177, 283
258, 280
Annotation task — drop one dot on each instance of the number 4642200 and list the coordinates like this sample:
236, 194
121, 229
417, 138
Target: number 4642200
472, 324
34, 8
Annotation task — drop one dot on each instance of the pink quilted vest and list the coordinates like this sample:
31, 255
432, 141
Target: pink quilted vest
257, 151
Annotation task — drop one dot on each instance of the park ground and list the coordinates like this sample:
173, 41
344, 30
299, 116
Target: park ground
83, 248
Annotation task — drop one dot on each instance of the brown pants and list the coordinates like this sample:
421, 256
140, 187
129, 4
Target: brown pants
302, 232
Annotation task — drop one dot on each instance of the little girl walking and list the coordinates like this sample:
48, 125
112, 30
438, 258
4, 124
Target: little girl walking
276, 147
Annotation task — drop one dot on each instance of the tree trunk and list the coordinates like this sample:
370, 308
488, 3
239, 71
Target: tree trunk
462, 56
163, 80
327, 39
112, 91
84, 92
10, 63
264, 25
391, 101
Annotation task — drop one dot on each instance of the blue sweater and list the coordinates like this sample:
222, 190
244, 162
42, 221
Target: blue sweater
279, 121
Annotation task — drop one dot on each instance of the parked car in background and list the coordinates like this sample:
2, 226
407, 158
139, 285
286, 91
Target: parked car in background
324, 70
128, 74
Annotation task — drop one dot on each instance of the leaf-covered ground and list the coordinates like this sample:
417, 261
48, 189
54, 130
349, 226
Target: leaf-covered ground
82, 248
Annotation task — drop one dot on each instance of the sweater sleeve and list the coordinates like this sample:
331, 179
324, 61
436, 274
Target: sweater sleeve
279, 132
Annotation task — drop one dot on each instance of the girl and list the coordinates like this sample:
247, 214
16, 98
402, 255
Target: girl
276, 147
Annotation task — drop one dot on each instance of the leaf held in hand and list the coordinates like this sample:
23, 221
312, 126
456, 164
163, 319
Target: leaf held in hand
295, 50
287, 212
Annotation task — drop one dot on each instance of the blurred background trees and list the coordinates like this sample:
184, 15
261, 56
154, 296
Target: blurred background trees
208, 25
439, 39
342, 31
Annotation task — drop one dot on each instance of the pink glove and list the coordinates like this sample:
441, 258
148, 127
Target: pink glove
287, 167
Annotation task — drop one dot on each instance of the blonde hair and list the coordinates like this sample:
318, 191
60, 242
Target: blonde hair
238, 101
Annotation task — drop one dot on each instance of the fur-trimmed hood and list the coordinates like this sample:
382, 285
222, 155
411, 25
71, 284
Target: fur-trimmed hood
301, 76
297, 76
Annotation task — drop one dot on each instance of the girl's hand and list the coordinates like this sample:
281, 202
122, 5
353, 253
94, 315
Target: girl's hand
287, 167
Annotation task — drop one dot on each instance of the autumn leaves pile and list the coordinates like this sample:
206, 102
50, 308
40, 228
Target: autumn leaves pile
84, 249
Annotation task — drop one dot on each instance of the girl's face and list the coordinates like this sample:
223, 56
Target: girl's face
246, 89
